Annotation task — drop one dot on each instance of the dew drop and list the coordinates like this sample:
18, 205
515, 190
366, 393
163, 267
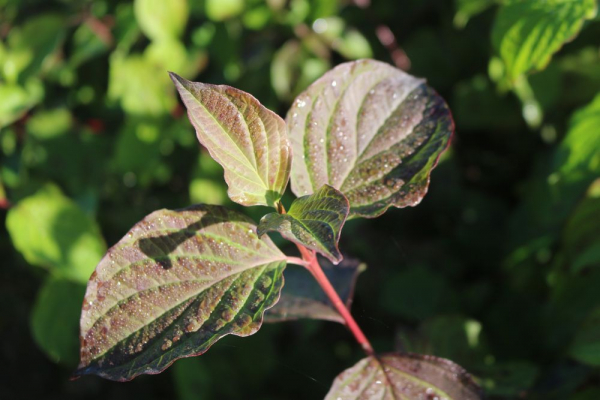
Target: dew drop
334, 83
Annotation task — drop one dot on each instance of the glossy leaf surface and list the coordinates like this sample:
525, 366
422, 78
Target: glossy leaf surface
314, 221
371, 131
302, 297
527, 33
248, 140
404, 376
173, 286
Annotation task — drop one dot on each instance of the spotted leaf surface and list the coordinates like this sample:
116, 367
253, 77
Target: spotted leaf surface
314, 221
173, 286
302, 297
371, 131
248, 140
404, 377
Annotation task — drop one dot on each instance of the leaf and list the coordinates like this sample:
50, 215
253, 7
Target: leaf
160, 20
220, 10
371, 131
174, 285
404, 376
466, 9
51, 231
585, 347
527, 33
314, 221
247, 139
302, 297
55, 319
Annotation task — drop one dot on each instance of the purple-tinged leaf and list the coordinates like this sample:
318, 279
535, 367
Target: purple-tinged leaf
302, 297
247, 139
404, 377
314, 221
173, 286
371, 131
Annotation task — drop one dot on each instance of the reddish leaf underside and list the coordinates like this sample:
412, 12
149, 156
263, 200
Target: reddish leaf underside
173, 286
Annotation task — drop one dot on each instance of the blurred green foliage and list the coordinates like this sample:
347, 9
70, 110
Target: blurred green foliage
497, 269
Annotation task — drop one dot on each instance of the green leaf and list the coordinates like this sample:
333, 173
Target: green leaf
371, 131
581, 234
16, 100
314, 221
31, 46
528, 32
302, 297
247, 139
174, 285
55, 319
404, 376
585, 347
160, 19
53, 232
220, 10
466, 9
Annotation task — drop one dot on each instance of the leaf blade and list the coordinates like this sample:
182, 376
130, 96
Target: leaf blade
371, 131
404, 376
526, 34
173, 286
302, 297
314, 221
247, 139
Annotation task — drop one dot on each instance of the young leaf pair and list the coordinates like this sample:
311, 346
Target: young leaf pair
364, 137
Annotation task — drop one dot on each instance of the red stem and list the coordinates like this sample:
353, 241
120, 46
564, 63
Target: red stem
316, 270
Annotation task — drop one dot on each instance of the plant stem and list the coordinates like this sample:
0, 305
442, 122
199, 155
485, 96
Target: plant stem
316, 270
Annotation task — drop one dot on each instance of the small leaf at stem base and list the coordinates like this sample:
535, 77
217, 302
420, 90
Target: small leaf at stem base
314, 221
302, 297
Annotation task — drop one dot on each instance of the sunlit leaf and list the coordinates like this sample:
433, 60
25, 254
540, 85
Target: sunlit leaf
527, 33
161, 20
16, 100
247, 139
55, 319
371, 131
53, 232
173, 286
302, 297
314, 221
32, 44
220, 10
404, 376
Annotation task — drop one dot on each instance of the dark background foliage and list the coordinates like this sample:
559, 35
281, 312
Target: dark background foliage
497, 269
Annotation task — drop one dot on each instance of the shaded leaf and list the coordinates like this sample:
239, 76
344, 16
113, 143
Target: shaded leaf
404, 376
173, 286
161, 20
55, 319
314, 221
581, 234
371, 131
53, 232
467, 9
302, 297
585, 347
247, 139
527, 33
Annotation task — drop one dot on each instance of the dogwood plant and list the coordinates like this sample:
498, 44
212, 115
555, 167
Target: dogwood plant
362, 138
